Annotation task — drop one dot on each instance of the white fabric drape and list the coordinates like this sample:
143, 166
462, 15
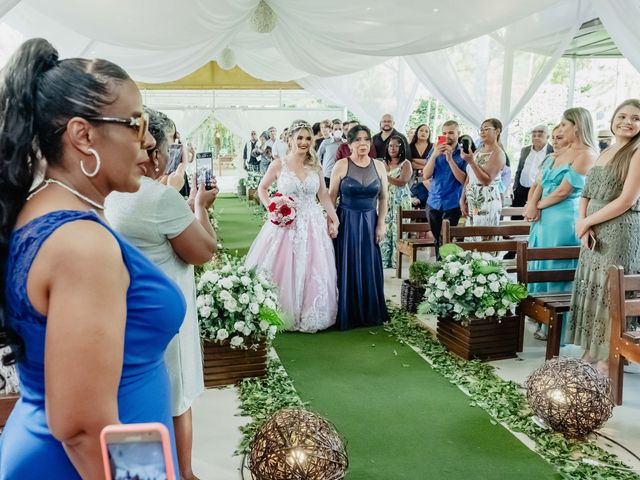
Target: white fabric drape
386, 88
333, 37
464, 77
6, 5
620, 18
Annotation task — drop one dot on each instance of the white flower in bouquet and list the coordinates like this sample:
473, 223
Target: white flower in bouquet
270, 304
457, 308
492, 277
438, 293
447, 294
440, 274
225, 295
239, 326
222, 334
273, 330
467, 272
502, 312
226, 283
236, 341
476, 255
478, 291
210, 276
494, 286
454, 268
200, 301
481, 279
257, 289
225, 269
244, 298
254, 308
246, 281
260, 298
208, 300
246, 331
205, 311
460, 290
466, 284
489, 311
441, 285
231, 305
506, 302
264, 326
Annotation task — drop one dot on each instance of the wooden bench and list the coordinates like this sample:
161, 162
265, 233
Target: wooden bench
459, 233
624, 345
547, 307
407, 242
512, 212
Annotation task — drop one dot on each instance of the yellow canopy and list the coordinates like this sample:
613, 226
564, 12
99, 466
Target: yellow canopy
211, 77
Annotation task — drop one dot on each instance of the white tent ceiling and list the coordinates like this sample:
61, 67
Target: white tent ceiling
330, 47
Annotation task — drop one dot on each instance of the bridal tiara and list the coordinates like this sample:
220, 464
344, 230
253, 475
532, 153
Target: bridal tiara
300, 125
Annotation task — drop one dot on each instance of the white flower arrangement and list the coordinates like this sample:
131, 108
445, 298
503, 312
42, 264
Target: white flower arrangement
236, 304
466, 284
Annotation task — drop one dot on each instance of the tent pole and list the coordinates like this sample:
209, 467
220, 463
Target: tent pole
572, 82
505, 99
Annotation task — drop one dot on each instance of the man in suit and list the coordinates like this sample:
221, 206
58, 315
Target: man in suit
531, 158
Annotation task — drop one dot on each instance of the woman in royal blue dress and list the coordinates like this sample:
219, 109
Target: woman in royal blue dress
361, 184
93, 315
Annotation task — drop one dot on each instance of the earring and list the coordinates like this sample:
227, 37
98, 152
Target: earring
157, 169
97, 169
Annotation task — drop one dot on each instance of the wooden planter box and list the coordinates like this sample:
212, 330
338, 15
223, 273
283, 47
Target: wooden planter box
7, 402
411, 296
251, 193
224, 365
482, 339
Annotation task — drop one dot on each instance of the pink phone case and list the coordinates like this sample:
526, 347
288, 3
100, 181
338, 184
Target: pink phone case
138, 428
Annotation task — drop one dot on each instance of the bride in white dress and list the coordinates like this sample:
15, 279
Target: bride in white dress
300, 256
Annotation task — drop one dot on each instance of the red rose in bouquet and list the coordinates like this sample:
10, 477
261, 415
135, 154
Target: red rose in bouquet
282, 210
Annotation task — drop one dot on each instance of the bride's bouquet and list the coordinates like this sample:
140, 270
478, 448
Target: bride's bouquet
282, 210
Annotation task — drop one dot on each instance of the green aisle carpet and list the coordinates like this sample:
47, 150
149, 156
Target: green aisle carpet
238, 226
401, 420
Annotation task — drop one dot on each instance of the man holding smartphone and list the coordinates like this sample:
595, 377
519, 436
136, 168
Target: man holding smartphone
446, 170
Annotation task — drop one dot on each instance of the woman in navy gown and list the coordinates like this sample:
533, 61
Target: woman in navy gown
93, 314
360, 182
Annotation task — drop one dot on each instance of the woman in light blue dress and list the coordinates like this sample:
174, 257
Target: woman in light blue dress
562, 176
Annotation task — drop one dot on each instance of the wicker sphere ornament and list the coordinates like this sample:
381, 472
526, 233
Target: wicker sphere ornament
570, 396
263, 18
227, 59
295, 444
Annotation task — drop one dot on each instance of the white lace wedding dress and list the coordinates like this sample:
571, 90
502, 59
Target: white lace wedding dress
300, 257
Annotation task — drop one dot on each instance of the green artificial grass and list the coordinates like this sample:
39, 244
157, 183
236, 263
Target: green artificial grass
238, 226
400, 419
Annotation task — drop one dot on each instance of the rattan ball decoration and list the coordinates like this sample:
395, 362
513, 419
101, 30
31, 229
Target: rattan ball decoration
227, 59
263, 18
570, 396
295, 444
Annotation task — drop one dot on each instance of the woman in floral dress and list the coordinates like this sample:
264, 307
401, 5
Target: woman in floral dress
399, 175
480, 200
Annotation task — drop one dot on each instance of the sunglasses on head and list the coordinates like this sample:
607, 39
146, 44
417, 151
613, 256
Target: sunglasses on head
140, 123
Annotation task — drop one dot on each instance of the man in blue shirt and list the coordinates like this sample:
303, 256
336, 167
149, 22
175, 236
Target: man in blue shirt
446, 169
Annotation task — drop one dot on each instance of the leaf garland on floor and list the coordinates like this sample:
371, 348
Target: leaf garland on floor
261, 397
504, 401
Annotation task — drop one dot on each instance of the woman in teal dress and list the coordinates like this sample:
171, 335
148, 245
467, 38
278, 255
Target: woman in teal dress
553, 216
399, 176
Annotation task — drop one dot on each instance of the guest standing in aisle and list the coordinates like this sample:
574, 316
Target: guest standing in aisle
157, 220
93, 314
446, 170
361, 183
609, 231
554, 215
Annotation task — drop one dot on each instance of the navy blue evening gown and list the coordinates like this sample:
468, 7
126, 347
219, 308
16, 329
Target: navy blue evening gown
361, 301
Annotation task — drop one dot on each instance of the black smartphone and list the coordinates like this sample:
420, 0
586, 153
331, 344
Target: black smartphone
204, 169
175, 157
467, 146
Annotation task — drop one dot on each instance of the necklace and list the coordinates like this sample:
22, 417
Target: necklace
49, 181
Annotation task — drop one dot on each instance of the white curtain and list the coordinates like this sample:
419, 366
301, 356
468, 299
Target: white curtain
620, 18
333, 37
386, 88
6, 5
476, 80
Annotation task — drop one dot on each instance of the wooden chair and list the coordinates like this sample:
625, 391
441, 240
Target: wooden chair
548, 307
406, 242
512, 212
459, 233
623, 345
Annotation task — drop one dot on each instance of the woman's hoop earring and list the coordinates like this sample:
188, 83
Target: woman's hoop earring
97, 169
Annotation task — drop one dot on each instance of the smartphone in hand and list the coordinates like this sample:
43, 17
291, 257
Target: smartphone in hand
175, 157
141, 450
442, 139
204, 169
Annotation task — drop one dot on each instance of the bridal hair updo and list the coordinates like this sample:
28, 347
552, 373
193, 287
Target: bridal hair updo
311, 159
